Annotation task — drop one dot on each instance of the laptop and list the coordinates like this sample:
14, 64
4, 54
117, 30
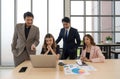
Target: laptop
43, 61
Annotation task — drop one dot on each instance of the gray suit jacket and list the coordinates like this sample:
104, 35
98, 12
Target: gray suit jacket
20, 42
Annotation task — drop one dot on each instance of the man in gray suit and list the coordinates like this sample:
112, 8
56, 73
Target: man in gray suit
25, 39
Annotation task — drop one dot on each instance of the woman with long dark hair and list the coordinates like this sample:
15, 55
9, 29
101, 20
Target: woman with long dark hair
91, 52
49, 47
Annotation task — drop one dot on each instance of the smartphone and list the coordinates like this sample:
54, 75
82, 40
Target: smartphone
84, 64
23, 69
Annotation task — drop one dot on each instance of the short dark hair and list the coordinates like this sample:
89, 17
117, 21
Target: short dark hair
66, 19
28, 14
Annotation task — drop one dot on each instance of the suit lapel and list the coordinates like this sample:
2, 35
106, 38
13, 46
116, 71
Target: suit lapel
69, 33
23, 31
30, 32
63, 33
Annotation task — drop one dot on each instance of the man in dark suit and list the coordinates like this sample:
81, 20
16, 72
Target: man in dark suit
25, 39
71, 39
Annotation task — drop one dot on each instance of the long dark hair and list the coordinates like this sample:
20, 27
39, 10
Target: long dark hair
53, 45
91, 40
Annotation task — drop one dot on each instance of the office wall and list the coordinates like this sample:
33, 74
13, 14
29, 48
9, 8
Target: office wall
7, 29
56, 11
40, 12
67, 8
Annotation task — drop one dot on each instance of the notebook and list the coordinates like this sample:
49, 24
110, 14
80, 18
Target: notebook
43, 61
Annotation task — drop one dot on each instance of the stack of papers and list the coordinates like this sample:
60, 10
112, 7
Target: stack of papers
76, 69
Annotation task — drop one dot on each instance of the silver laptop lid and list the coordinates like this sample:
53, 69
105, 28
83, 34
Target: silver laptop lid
43, 61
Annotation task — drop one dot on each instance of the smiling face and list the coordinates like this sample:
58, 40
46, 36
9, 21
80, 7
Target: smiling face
87, 41
28, 21
49, 41
66, 25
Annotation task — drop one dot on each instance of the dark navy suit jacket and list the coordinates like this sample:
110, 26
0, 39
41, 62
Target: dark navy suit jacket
73, 40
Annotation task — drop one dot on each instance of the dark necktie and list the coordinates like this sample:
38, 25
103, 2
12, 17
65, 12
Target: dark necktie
66, 34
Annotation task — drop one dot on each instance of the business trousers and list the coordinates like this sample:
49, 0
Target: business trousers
71, 53
21, 58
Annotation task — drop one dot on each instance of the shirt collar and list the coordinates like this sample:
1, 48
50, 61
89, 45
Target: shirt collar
27, 27
68, 29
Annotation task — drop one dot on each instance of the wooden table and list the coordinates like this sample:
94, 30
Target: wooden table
108, 70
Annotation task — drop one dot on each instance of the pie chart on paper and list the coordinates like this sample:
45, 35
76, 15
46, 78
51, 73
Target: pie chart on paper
78, 71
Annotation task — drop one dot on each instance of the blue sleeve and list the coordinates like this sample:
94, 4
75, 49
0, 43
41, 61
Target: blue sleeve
59, 37
77, 36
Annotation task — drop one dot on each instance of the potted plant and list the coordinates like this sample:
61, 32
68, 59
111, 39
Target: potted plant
108, 39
